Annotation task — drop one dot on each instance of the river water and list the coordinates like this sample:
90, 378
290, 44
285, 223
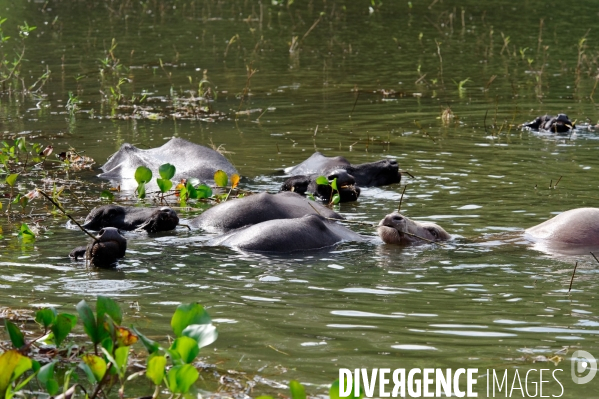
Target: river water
368, 81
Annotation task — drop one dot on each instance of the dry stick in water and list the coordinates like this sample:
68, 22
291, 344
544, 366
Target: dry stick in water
573, 273
66, 214
354, 107
401, 199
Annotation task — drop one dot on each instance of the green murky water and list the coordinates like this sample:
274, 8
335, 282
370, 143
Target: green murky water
486, 300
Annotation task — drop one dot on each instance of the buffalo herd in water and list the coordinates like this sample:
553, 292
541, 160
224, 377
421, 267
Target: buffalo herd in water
288, 221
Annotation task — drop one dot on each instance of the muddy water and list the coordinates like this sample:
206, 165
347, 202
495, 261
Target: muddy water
485, 300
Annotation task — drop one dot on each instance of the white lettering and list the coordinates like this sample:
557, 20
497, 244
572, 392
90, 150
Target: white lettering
400, 384
382, 382
560, 384
456, 383
503, 380
345, 380
426, 383
369, 382
541, 383
357, 381
443, 381
471, 381
536, 384
516, 378
412, 383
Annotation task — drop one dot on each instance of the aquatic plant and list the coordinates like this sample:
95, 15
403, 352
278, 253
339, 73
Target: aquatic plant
96, 372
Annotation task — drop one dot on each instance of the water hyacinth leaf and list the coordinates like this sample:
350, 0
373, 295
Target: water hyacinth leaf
11, 179
204, 334
45, 317
12, 365
141, 191
164, 185
203, 191
187, 314
16, 335
62, 327
191, 191
105, 305
187, 348
150, 345
234, 180
220, 178
96, 364
89, 321
25, 233
336, 199
181, 378
143, 175
334, 184
167, 171
297, 390
46, 378
107, 195
156, 368
322, 181
121, 355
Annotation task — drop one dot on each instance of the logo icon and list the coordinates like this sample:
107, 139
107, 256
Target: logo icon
583, 361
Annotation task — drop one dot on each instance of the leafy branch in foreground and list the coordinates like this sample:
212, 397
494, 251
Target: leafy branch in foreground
107, 364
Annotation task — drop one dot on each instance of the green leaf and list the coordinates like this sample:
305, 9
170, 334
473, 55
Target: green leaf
220, 178
89, 321
107, 195
45, 317
121, 355
143, 175
203, 191
164, 185
141, 191
156, 368
167, 171
334, 184
204, 334
62, 327
322, 181
12, 365
311, 197
191, 191
11, 179
181, 378
187, 314
187, 348
25, 233
105, 305
335, 200
150, 345
297, 390
96, 364
16, 335
46, 378
52, 387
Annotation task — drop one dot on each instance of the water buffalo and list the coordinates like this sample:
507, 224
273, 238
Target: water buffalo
129, 218
370, 174
104, 251
396, 228
572, 232
254, 209
190, 160
555, 124
307, 233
